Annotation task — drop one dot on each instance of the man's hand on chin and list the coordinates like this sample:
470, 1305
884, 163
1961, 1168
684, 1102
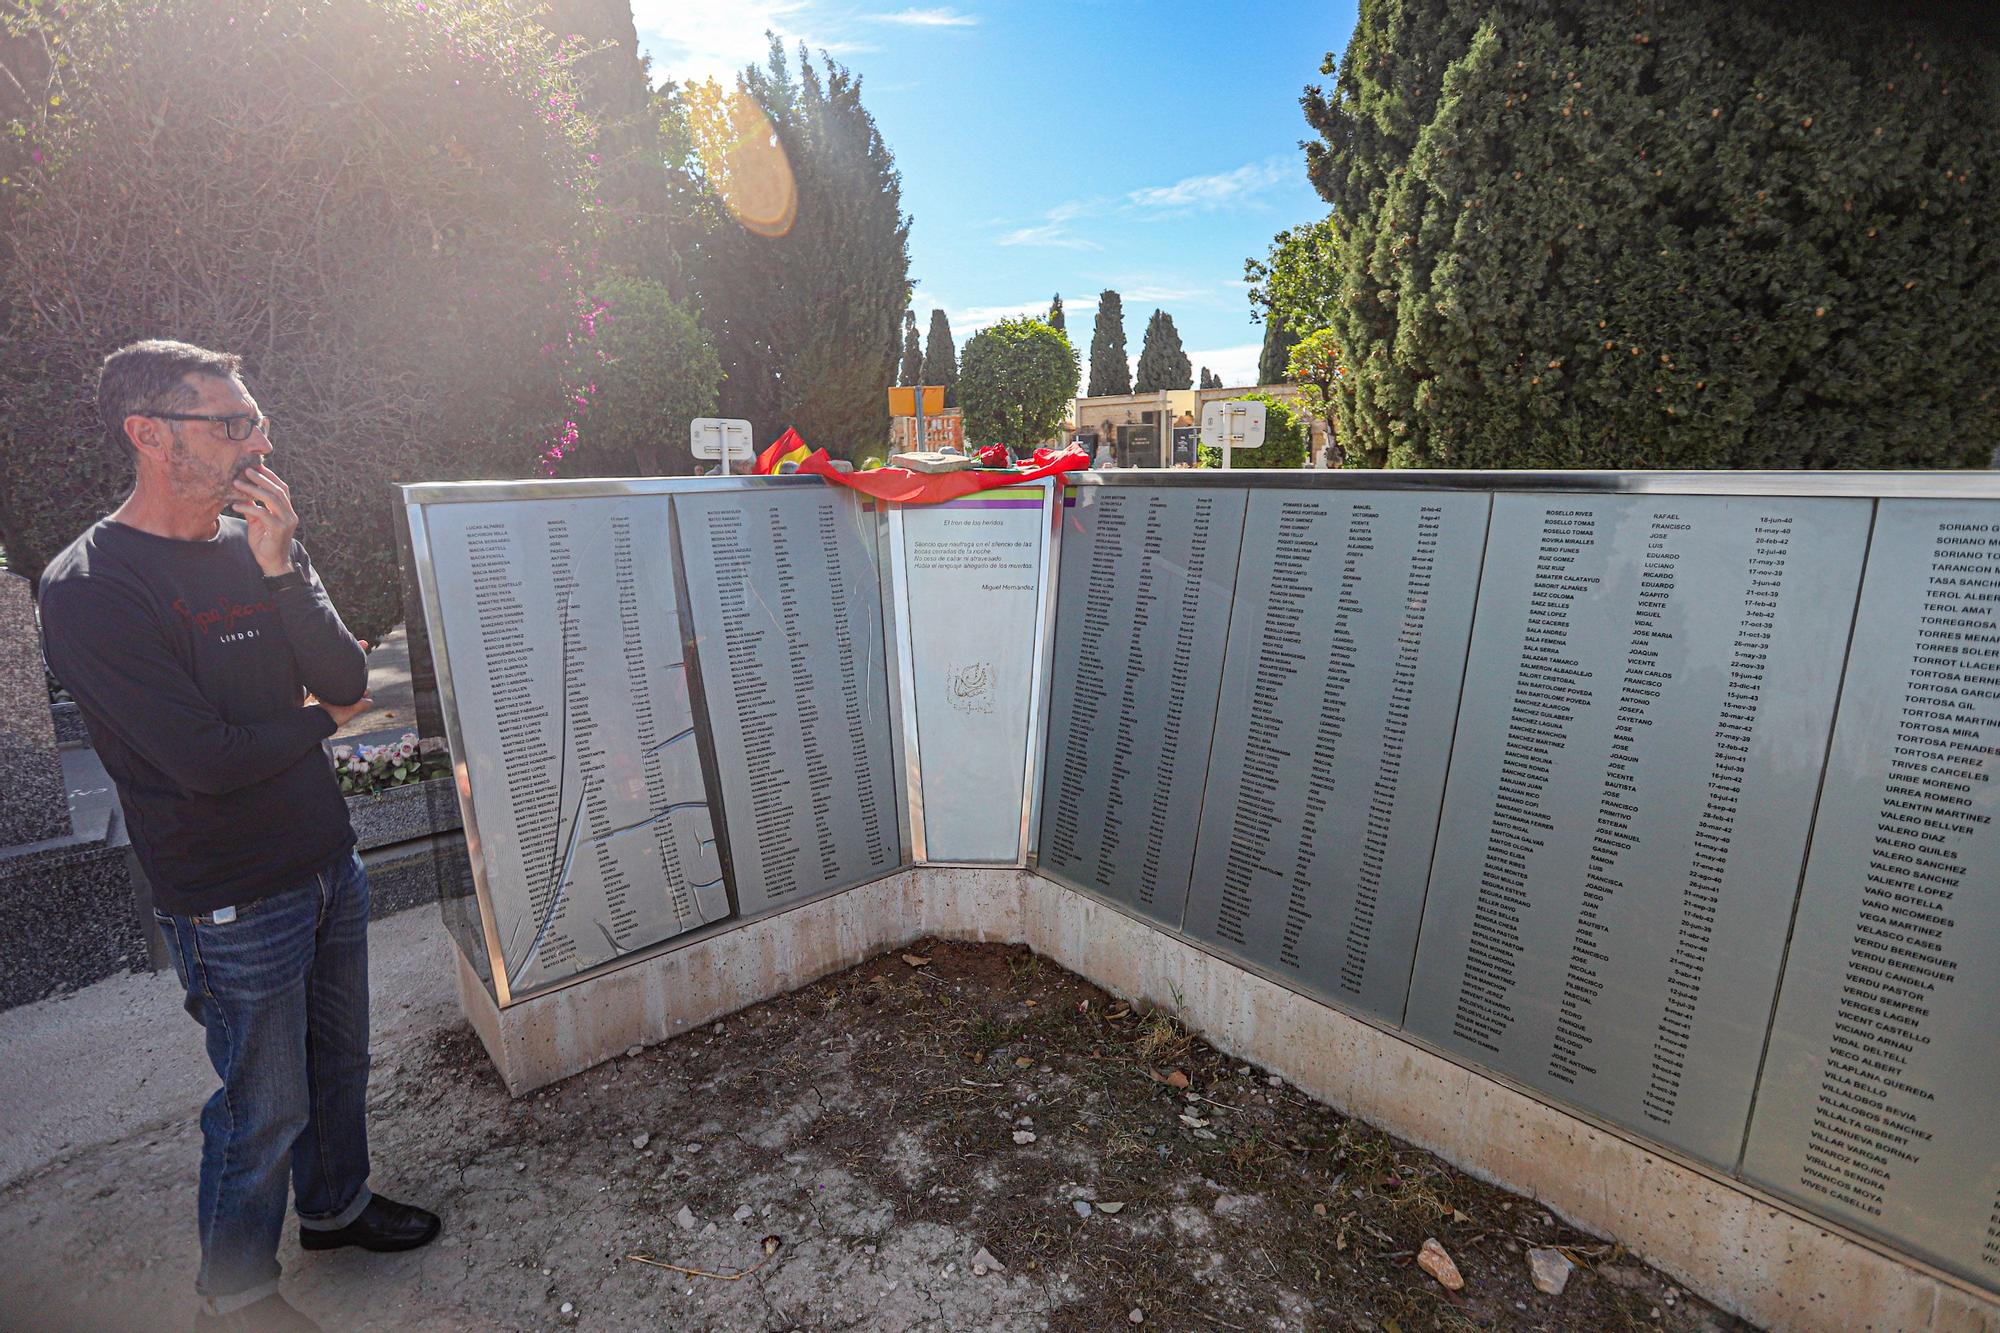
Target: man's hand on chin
265, 503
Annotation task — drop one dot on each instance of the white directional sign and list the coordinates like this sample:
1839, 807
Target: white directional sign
1235, 424
711, 437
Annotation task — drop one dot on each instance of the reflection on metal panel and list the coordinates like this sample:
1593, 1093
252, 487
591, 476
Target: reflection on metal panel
1142, 614
1339, 693
576, 729
1646, 712
974, 581
787, 604
1879, 1089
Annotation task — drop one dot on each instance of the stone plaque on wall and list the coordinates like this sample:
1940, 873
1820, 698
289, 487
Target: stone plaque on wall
1883, 1076
1142, 616
1338, 694
1646, 714
575, 727
974, 569
785, 589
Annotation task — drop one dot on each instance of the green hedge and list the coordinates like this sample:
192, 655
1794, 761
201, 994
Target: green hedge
1598, 234
384, 205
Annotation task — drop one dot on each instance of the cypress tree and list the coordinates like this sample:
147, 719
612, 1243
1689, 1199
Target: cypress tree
1201, 380
1109, 371
941, 358
912, 369
615, 89
1276, 351
1055, 320
805, 317
1162, 363
1637, 234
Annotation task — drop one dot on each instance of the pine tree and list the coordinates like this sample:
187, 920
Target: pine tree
1656, 235
912, 371
1109, 371
1056, 314
1162, 362
941, 358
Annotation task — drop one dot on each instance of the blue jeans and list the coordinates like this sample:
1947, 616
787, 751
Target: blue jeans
282, 990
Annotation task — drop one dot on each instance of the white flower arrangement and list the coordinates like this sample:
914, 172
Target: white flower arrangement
372, 768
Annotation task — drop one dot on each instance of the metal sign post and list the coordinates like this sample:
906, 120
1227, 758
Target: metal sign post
918, 402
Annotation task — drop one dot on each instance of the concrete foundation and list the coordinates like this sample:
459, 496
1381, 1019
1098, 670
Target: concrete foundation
1753, 1255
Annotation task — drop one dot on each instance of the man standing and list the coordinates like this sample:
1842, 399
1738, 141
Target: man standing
209, 665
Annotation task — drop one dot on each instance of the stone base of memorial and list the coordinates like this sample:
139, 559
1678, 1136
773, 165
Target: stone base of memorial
1751, 1253
66, 914
409, 839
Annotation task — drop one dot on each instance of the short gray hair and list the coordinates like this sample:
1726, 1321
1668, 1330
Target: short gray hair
151, 376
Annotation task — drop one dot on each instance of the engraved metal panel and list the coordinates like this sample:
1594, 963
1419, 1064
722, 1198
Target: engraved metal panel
1339, 691
974, 570
785, 592
575, 727
1142, 616
1645, 717
1877, 1100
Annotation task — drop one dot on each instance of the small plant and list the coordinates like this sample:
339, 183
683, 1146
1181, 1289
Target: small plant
373, 768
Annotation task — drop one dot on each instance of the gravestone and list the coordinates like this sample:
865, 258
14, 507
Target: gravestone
37, 804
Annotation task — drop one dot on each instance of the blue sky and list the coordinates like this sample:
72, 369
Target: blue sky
1065, 147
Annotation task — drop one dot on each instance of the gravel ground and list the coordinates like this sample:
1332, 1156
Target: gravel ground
952, 1137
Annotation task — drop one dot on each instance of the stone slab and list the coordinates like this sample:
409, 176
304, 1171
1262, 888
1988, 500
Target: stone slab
66, 917
36, 808
1878, 1093
1143, 608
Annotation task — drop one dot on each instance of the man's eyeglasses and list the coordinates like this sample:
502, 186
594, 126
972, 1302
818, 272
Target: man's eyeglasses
238, 426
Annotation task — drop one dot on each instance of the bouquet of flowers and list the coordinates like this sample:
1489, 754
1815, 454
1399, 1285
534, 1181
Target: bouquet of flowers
371, 768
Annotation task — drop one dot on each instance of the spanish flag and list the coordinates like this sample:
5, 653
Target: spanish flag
787, 448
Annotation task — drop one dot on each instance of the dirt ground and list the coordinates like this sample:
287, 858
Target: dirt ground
949, 1137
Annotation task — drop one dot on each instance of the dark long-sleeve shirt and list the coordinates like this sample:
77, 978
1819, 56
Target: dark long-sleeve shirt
190, 673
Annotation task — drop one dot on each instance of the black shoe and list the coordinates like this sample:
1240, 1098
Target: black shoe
270, 1315
384, 1226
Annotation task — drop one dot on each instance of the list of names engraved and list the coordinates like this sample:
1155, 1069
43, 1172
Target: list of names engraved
787, 607
1645, 715
1340, 688
574, 720
1142, 615
1883, 1072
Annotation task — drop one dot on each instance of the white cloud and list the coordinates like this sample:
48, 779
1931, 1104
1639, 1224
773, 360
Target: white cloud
690, 40
1159, 293
1051, 235
968, 320
925, 18
1053, 232
1237, 365
1220, 190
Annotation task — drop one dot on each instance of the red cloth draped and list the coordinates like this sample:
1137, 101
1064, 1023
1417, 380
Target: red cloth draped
902, 486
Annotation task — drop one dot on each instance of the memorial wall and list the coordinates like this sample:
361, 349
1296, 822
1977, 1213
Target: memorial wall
1340, 685
1878, 1095
1143, 602
1675, 809
1640, 739
787, 607
1540, 789
588, 814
